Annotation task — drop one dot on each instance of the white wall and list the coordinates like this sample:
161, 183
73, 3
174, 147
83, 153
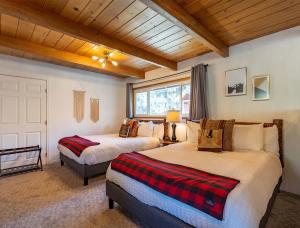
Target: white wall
277, 55
61, 82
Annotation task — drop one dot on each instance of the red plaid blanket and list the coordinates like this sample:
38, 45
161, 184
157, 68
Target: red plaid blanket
204, 191
76, 144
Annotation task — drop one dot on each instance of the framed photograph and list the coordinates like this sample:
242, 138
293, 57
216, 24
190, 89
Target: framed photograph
236, 82
261, 88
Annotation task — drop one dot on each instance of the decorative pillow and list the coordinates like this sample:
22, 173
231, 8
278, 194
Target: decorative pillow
271, 143
124, 130
145, 129
210, 140
227, 135
158, 131
192, 132
248, 137
133, 127
226, 125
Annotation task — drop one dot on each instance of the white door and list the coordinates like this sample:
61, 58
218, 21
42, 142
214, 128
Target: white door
22, 117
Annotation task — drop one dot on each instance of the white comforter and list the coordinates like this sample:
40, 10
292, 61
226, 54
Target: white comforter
258, 173
110, 147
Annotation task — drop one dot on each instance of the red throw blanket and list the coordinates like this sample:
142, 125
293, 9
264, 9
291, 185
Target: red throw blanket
204, 191
76, 144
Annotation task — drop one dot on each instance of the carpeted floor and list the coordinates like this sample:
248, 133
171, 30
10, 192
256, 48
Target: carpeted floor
57, 198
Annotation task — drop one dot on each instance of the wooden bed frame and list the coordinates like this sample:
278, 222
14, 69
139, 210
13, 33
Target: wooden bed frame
154, 217
87, 171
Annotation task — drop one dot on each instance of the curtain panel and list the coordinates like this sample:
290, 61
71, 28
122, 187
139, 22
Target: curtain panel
198, 105
129, 100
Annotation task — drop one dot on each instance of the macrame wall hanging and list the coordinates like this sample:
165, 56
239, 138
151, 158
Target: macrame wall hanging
94, 109
78, 105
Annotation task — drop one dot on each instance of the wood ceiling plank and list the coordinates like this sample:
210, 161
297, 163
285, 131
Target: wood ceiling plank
176, 42
290, 23
75, 45
73, 8
9, 25
24, 30
65, 58
169, 39
178, 15
214, 9
196, 6
144, 28
64, 42
52, 38
222, 16
257, 29
110, 12
257, 18
55, 22
55, 5
139, 20
192, 43
251, 11
92, 10
124, 17
163, 35
39, 34
84, 48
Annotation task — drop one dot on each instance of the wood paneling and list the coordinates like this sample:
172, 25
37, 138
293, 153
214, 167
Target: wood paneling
140, 28
237, 21
53, 21
52, 55
178, 15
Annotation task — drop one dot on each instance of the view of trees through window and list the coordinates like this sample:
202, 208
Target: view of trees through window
157, 102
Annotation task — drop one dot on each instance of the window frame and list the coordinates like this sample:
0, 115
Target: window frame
184, 81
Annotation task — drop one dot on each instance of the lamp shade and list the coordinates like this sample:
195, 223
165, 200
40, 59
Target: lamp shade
173, 116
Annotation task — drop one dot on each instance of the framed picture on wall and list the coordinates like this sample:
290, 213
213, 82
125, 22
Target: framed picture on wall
261, 88
236, 82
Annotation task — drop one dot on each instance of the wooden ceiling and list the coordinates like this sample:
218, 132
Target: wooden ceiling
143, 34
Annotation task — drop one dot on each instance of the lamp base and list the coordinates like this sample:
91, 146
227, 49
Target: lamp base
173, 132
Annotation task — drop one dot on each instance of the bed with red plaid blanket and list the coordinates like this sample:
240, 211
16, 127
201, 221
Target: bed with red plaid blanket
76, 144
204, 191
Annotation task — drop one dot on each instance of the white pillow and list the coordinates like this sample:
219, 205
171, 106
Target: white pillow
192, 132
158, 131
248, 137
145, 129
180, 131
271, 143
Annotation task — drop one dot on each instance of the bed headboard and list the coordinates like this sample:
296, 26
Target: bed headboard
157, 121
279, 124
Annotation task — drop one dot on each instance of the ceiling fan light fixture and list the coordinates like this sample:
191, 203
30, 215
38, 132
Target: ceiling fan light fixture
114, 63
101, 60
94, 57
103, 65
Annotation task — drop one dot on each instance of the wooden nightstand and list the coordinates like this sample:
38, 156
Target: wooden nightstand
167, 142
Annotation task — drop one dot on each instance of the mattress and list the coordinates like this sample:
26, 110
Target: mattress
258, 172
110, 147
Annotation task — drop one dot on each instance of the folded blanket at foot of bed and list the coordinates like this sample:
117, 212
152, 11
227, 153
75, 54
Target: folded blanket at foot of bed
204, 191
76, 144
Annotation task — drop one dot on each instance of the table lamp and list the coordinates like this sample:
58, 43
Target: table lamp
173, 116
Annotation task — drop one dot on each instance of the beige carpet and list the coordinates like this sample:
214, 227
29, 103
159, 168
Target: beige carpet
57, 198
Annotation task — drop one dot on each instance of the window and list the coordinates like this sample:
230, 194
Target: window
157, 101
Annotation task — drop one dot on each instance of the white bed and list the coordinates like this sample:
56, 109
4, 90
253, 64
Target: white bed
258, 172
109, 148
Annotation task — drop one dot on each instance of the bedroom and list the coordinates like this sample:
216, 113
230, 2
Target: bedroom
155, 48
